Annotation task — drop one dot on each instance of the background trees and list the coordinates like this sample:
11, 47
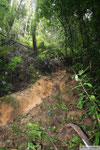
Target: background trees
68, 30
79, 23
55, 28
76, 24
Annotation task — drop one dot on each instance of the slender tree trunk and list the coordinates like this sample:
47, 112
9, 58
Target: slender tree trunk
35, 51
25, 28
34, 25
34, 44
71, 39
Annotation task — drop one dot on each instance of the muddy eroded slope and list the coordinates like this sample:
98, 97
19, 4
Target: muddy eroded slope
25, 101
52, 103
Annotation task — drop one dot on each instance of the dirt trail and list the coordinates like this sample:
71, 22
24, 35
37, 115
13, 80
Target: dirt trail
29, 98
50, 101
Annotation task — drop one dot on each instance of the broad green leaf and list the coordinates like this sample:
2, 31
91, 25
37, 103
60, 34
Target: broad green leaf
93, 97
81, 72
88, 84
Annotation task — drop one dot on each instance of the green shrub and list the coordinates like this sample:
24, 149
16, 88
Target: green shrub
13, 64
6, 66
88, 96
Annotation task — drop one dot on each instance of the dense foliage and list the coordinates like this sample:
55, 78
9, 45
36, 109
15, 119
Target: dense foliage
79, 21
68, 30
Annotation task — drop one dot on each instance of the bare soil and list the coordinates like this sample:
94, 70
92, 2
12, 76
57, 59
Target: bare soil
52, 102
29, 98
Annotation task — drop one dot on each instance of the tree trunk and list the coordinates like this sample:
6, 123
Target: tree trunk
34, 44
25, 28
34, 24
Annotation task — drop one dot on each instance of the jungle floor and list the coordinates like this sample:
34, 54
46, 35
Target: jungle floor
47, 105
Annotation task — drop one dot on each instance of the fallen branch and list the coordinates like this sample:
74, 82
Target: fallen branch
80, 133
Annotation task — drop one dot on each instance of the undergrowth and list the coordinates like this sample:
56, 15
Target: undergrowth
88, 98
51, 133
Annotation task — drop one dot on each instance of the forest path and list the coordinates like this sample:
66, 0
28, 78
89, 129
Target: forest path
50, 101
23, 102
